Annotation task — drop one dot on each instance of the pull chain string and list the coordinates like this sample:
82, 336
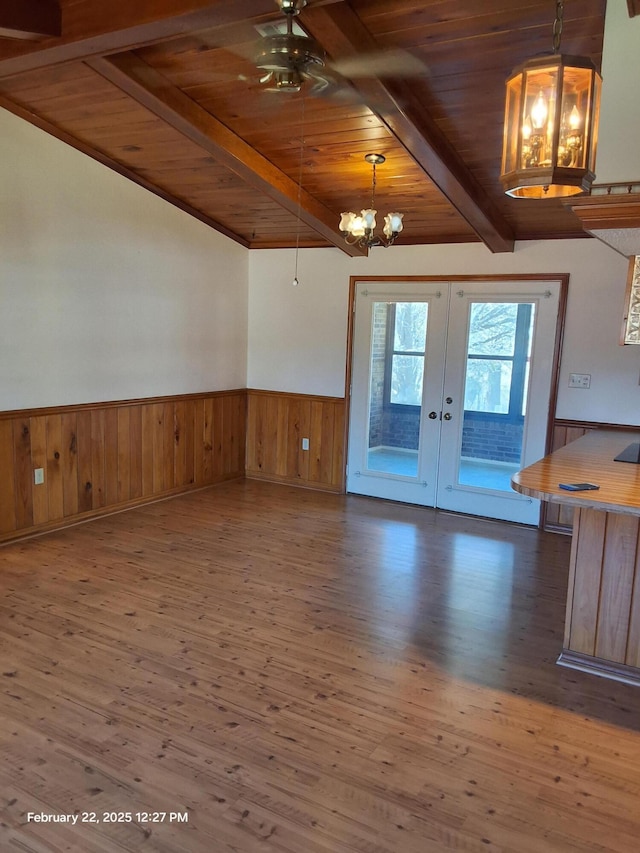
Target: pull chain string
557, 26
295, 274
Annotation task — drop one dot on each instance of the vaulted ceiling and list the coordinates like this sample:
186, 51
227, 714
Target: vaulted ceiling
166, 92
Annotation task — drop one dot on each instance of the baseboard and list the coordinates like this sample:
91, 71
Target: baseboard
598, 666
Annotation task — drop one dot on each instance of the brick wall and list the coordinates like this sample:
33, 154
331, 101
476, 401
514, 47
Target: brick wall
378, 348
491, 439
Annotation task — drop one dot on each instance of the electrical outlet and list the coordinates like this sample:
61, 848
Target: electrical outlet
38, 476
579, 380
305, 443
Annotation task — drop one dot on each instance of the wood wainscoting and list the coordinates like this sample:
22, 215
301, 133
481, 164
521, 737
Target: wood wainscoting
277, 423
558, 518
102, 457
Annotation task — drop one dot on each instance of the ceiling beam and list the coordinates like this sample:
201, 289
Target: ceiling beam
93, 27
29, 19
153, 91
343, 35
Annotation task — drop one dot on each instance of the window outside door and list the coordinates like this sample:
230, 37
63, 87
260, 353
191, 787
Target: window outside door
450, 392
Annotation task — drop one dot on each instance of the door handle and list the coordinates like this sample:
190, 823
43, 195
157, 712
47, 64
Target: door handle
447, 416
433, 415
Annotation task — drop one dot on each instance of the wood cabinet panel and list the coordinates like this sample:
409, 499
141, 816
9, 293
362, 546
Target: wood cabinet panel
107, 456
616, 586
589, 543
603, 615
276, 425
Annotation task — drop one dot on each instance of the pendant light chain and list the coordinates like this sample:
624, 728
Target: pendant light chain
557, 26
373, 187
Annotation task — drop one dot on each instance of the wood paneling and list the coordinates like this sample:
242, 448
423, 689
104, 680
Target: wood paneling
102, 457
602, 620
276, 425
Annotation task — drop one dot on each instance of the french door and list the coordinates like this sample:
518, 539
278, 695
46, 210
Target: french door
450, 392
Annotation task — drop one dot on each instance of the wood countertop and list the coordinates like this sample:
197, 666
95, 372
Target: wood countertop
589, 459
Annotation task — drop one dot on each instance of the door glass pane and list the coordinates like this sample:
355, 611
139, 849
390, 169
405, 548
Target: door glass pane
492, 328
407, 372
410, 327
488, 385
398, 345
495, 393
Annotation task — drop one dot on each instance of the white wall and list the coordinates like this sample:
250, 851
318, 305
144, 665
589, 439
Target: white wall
106, 291
297, 335
617, 156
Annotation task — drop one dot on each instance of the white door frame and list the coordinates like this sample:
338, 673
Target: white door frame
562, 278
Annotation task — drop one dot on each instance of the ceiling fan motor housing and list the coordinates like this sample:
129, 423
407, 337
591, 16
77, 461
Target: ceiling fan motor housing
288, 52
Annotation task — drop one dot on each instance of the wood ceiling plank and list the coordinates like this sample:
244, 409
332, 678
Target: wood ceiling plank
100, 157
29, 19
157, 94
93, 27
343, 35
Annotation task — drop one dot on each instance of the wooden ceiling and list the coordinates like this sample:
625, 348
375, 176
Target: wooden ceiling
165, 92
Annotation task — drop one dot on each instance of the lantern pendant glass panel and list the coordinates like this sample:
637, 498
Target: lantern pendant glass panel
550, 128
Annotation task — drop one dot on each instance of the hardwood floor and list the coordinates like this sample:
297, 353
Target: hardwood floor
272, 670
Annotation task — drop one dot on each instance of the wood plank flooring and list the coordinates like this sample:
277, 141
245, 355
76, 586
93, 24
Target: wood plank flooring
262, 669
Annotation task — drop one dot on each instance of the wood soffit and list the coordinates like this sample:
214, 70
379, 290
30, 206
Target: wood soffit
166, 93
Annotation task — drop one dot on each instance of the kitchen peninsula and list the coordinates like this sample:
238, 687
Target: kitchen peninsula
602, 627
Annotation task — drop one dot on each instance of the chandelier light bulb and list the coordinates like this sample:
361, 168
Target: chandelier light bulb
539, 111
575, 118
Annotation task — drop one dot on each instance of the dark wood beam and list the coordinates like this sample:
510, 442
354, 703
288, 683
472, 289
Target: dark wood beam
157, 94
30, 19
100, 157
93, 27
343, 35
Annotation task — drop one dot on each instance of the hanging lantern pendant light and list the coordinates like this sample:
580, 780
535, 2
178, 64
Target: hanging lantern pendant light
551, 124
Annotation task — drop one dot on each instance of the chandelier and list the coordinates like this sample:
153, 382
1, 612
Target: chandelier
551, 124
358, 229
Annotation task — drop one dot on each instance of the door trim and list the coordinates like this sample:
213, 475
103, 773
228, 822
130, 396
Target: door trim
562, 278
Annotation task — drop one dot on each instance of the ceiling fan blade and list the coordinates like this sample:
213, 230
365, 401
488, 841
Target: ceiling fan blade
384, 63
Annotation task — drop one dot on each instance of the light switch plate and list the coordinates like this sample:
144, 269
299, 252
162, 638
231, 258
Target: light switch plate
579, 380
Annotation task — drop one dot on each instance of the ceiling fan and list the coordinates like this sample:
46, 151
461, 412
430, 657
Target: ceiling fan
289, 60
